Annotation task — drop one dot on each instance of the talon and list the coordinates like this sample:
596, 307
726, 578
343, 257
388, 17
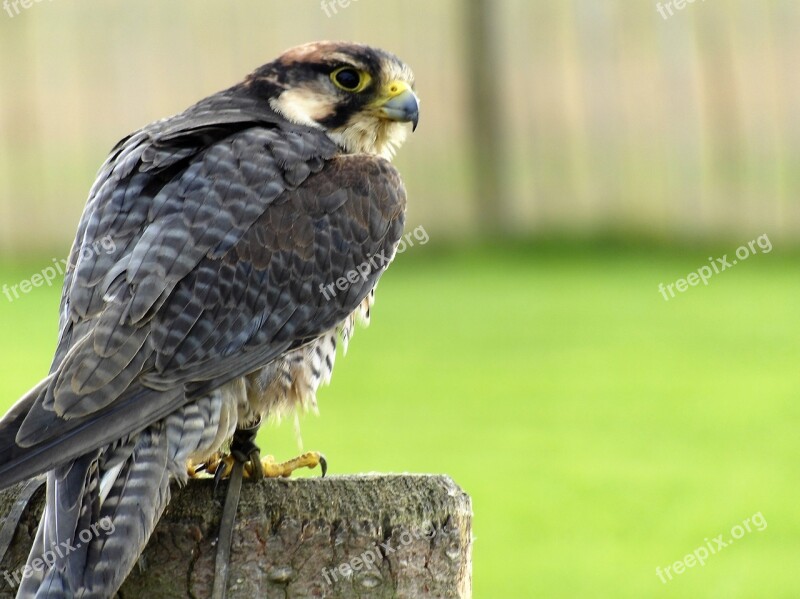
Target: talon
217, 478
312, 459
256, 469
207, 467
220, 467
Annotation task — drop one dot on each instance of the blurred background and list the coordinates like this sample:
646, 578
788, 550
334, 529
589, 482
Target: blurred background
572, 157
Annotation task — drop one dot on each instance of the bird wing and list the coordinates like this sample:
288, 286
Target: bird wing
220, 236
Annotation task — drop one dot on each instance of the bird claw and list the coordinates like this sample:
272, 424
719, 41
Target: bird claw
268, 468
195, 470
220, 467
244, 451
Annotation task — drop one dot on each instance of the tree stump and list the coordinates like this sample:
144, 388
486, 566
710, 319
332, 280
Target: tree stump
368, 536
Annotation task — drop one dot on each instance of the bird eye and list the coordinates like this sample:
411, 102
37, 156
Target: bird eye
349, 79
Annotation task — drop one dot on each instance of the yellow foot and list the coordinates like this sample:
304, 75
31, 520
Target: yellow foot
221, 466
270, 469
194, 470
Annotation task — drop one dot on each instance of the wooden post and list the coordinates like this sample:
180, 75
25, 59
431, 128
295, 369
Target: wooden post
376, 536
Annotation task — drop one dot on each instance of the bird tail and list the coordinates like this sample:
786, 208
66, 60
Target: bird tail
101, 510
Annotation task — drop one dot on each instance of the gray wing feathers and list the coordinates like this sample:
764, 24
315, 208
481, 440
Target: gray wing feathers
221, 247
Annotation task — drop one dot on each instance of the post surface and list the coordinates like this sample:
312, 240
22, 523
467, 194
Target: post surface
382, 536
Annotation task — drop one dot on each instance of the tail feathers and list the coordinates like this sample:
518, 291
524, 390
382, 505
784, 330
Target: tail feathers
100, 541
135, 503
72, 506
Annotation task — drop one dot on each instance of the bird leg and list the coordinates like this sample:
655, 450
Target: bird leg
245, 451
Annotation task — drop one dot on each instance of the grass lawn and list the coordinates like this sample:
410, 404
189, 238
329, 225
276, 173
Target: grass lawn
601, 430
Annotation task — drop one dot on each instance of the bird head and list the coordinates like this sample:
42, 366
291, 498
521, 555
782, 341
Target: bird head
359, 95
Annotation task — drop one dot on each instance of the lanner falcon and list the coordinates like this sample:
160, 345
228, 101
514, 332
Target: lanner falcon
228, 222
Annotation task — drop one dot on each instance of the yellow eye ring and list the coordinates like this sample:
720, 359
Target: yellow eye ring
350, 79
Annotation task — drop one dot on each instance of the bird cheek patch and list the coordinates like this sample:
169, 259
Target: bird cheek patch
303, 106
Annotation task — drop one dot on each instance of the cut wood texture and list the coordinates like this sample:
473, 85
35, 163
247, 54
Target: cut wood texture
367, 536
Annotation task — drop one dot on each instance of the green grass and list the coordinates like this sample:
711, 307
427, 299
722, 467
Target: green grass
600, 430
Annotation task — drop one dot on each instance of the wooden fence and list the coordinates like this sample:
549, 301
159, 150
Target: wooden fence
608, 117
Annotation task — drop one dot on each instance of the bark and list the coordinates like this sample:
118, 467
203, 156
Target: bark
371, 536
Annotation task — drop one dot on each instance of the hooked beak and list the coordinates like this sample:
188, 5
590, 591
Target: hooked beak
401, 104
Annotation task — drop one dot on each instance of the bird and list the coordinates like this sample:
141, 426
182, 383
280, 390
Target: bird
206, 311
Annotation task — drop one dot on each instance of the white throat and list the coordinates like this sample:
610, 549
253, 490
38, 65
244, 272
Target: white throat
371, 136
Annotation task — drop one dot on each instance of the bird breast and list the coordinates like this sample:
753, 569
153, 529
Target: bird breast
289, 383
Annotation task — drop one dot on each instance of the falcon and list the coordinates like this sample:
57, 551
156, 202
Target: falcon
227, 223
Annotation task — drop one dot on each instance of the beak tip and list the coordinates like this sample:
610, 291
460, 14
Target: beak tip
404, 108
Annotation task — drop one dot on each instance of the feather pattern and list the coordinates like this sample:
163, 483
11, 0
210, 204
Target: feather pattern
194, 302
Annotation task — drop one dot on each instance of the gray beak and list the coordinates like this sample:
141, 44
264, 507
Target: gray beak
403, 108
